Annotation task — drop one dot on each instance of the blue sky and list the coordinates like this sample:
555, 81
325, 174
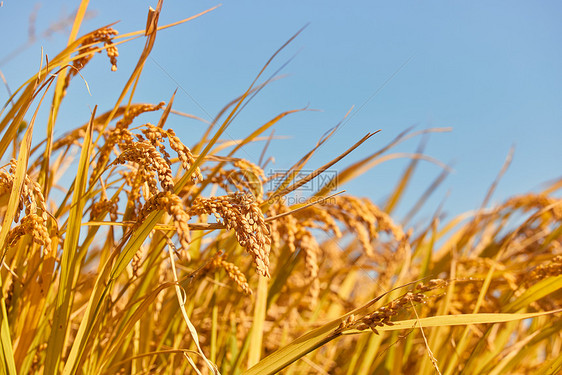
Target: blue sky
491, 71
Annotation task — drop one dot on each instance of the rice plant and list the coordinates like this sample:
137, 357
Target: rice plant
124, 250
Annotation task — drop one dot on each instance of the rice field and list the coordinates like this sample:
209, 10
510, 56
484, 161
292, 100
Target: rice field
127, 251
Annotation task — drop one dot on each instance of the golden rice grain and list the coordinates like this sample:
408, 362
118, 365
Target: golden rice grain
283, 228
382, 315
538, 201
308, 245
105, 205
362, 217
232, 271
32, 204
34, 225
88, 49
145, 155
542, 271
240, 212
156, 136
173, 205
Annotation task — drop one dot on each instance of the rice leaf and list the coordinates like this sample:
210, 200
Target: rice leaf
69, 267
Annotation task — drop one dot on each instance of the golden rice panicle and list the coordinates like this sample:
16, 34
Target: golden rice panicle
311, 250
30, 224
105, 205
106, 36
137, 110
292, 230
366, 220
88, 49
317, 217
347, 323
6, 185
537, 201
301, 238
142, 183
120, 135
357, 218
184, 153
283, 228
241, 212
6, 182
173, 205
237, 276
431, 285
384, 221
145, 155
232, 271
32, 202
156, 136
542, 271
382, 315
